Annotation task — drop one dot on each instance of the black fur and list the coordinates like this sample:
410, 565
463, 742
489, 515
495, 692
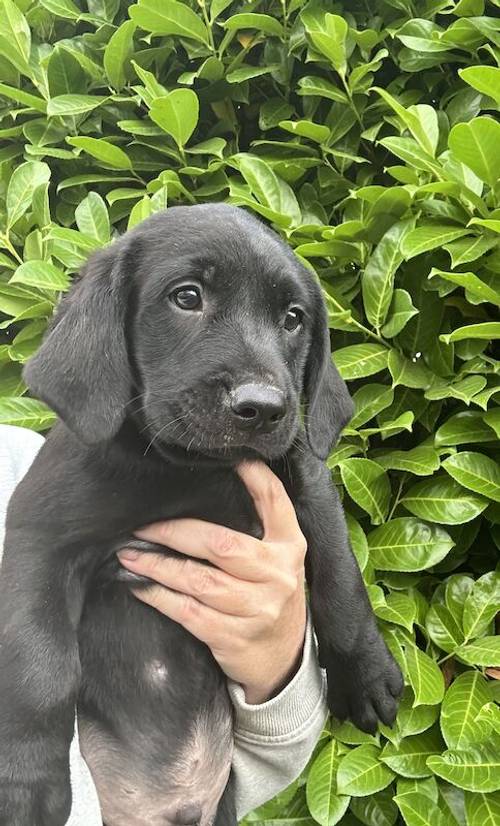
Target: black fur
147, 433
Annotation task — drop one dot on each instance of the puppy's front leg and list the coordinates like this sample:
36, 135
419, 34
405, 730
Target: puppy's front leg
364, 681
40, 605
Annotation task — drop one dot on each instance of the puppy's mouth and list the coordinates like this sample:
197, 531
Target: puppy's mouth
189, 429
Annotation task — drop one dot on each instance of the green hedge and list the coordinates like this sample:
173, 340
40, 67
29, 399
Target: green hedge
366, 133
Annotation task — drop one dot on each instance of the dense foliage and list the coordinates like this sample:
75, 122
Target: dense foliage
366, 133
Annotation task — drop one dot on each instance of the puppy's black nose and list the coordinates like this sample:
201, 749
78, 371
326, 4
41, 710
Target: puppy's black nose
257, 406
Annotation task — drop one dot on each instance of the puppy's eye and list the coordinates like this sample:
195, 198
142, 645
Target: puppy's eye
187, 298
293, 319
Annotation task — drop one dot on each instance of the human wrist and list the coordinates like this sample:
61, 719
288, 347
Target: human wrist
264, 690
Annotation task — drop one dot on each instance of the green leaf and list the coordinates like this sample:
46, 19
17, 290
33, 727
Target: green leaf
429, 237
40, 274
15, 36
443, 628
462, 703
476, 769
359, 360
261, 22
376, 810
104, 151
475, 472
407, 544
486, 79
92, 218
361, 773
425, 677
409, 758
400, 312
118, 52
368, 485
471, 283
177, 114
421, 461
269, 188
486, 331
399, 609
420, 120
482, 809
476, 145
481, 605
312, 85
418, 810
62, 8
468, 249
22, 185
467, 427
26, 413
328, 34
71, 105
378, 277
19, 95
485, 652
441, 499
306, 129
163, 17
368, 401
325, 804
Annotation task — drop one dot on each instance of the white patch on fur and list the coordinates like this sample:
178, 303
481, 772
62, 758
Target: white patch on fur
156, 673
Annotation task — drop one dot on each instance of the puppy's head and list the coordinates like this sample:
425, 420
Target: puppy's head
202, 327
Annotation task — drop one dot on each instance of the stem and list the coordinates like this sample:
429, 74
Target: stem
351, 102
398, 495
208, 24
8, 246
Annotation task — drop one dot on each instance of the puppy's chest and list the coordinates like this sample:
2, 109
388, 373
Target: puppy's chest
218, 496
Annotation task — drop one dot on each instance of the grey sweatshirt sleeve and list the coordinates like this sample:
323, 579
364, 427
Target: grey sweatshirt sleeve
273, 741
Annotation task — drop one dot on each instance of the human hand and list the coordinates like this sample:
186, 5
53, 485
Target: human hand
250, 608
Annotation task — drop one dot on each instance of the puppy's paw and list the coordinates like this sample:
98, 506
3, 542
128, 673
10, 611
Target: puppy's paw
365, 686
44, 803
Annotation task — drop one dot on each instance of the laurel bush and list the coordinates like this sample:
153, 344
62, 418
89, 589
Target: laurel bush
366, 133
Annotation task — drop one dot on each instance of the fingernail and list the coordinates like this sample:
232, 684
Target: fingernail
128, 554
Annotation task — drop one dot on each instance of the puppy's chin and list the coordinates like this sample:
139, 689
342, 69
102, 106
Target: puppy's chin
222, 451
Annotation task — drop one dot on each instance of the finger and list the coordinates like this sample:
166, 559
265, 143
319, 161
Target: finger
271, 501
203, 622
236, 553
209, 585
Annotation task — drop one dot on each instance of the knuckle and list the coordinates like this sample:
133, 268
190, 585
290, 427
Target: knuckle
203, 580
289, 583
188, 609
225, 542
165, 532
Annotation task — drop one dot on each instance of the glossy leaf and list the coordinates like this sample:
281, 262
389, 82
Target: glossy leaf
360, 772
407, 544
425, 677
368, 485
164, 17
441, 499
326, 805
177, 114
475, 472
476, 145
476, 769
462, 703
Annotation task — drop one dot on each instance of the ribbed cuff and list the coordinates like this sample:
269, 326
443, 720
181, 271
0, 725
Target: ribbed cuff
293, 708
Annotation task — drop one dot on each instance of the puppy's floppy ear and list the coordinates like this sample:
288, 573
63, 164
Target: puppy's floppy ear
81, 369
329, 405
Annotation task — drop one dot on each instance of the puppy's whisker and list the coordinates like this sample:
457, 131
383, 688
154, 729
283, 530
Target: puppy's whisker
168, 424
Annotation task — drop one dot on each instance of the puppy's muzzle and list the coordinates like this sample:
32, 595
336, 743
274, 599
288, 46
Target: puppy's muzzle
257, 407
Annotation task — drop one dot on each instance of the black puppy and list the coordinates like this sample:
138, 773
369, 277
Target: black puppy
184, 347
